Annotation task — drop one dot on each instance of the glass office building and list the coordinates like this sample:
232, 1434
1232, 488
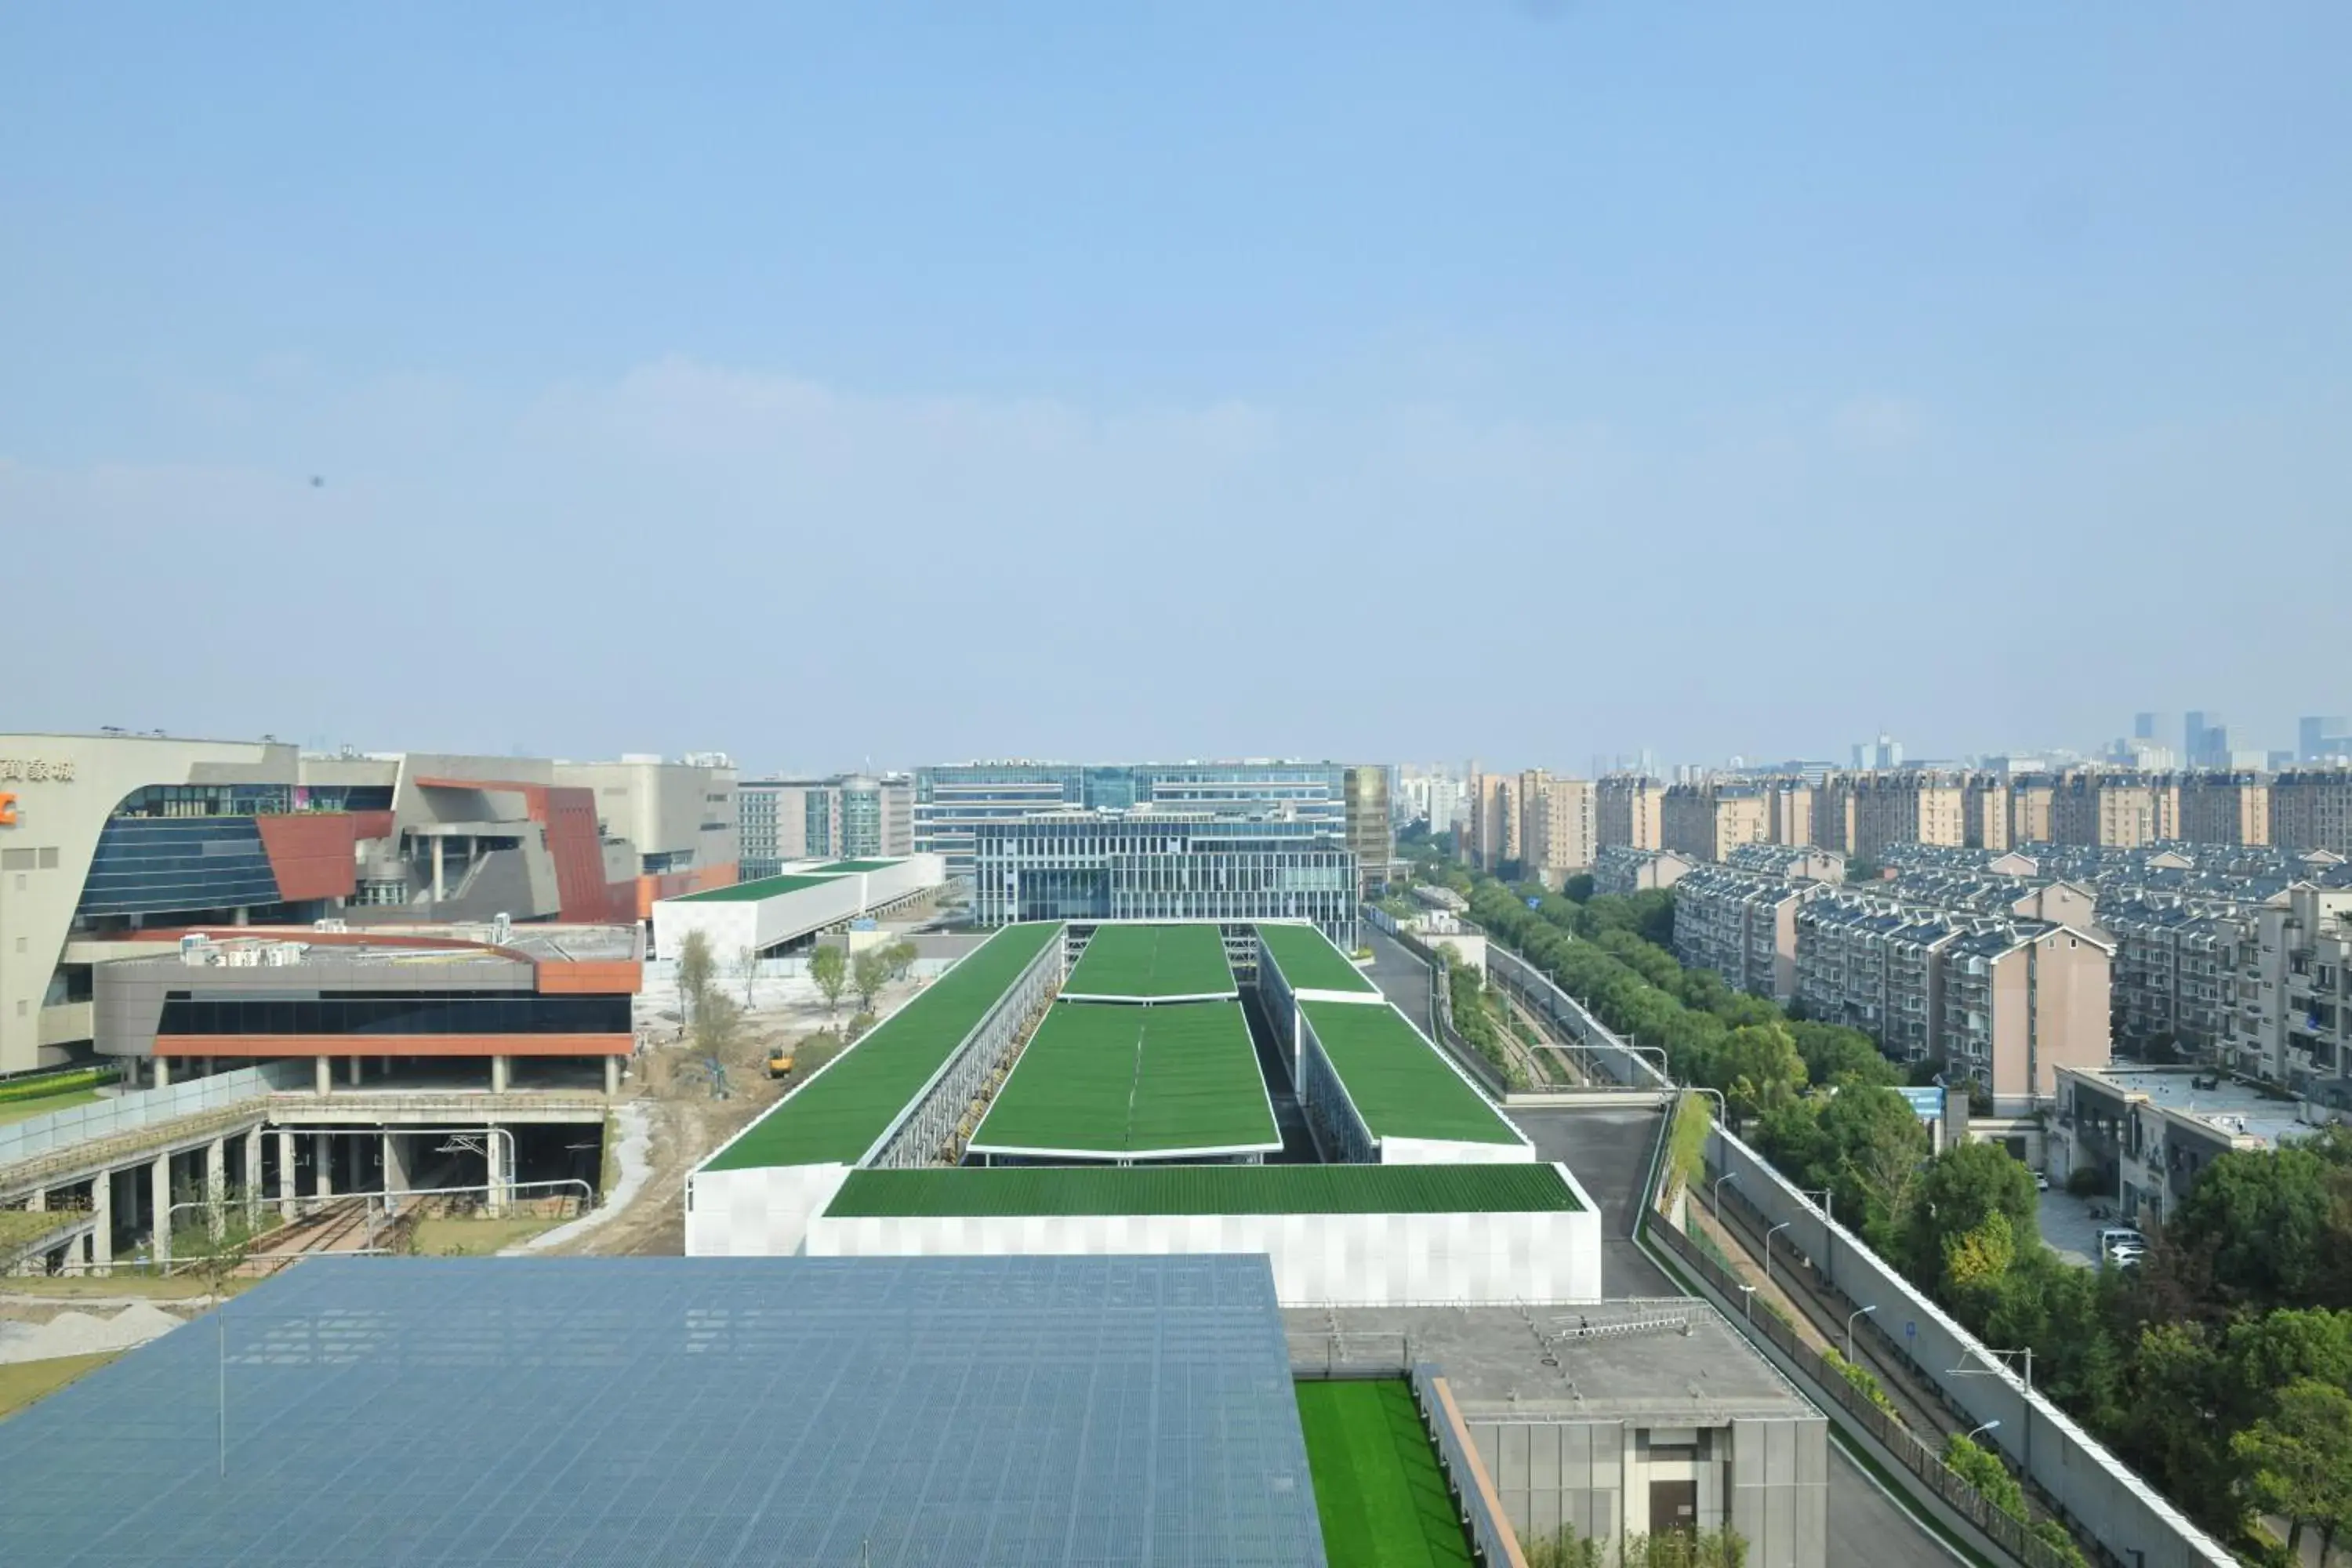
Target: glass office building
953, 802
1154, 866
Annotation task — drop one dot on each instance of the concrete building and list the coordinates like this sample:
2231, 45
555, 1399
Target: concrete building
1491, 802
1628, 812
1795, 862
2220, 808
849, 816
2149, 1133
1154, 865
1706, 821
773, 913
952, 800
1623, 1418
2284, 1019
1789, 806
1862, 814
2119, 810
106, 835
1622, 869
1557, 834
1985, 814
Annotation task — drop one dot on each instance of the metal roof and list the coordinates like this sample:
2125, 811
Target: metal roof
921, 1413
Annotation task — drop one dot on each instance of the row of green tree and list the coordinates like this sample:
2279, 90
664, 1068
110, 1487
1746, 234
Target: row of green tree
1472, 1012
2220, 1368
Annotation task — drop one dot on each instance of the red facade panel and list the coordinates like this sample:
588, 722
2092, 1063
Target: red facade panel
311, 854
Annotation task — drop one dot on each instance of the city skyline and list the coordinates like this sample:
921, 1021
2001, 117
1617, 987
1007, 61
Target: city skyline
935, 364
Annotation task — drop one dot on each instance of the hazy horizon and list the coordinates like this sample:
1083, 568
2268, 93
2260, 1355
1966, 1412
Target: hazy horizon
1405, 383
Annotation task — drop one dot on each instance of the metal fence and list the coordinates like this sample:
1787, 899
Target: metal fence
1924, 1463
1338, 1357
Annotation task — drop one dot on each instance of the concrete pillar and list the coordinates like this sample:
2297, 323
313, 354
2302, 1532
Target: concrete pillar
286, 1189
102, 1213
215, 1183
355, 1166
253, 1193
163, 1072
395, 1161
437, 867
351, 1070
38, 1203
495, 1200
159, 1187
326, 1076
501, 1069
323, 1161
612, 1075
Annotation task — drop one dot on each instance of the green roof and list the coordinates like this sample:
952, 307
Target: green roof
1100, 1079
1400, 1085
1379, 1490
1310, 963
744, 893
973, 1189
842, 868
1152, 961
836, 1115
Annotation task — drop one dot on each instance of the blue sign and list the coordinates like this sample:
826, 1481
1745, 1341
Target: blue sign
1910, 1327
1927, 1104
1535, 903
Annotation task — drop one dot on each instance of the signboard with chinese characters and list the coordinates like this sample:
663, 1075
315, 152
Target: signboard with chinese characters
1927, 1104
37, 769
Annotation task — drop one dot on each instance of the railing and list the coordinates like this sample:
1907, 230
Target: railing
144, 1107
1924, 1463
1473, 1494
1337, 1357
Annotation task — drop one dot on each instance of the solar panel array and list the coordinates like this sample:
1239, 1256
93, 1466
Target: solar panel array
905, 1413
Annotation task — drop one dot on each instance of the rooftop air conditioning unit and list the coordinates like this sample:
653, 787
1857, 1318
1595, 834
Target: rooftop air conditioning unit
196, 949
330, 926
277, 954
501, 929
243, 957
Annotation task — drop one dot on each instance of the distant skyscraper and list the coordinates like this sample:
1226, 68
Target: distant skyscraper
1876, 756
2144, 726
2204, 739
2319, 738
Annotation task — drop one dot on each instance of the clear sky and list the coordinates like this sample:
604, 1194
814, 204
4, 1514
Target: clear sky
1397, 380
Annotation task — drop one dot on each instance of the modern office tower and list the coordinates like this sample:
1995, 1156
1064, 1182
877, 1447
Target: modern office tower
1149, 865
2320, 738
1372, 832
1876, 756
846, 817
2205, 740
2144, 726
952, 800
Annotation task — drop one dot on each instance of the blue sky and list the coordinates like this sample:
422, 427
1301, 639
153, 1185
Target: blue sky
1409, 380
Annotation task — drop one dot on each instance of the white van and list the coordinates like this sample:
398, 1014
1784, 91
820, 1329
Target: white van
2119, 1238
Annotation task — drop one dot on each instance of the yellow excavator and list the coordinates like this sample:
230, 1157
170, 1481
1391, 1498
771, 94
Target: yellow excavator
780, 1062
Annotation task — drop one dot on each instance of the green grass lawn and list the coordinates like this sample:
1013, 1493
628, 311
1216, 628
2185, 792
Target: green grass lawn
1378, 1487
23, 1382
476, 1237
41, 1105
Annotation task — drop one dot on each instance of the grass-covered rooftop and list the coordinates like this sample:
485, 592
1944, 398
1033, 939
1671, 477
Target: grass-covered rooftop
1148, 961
1310, 963
1039, 1190
1398, 1083
837, 1115
746, 893
1113, 1082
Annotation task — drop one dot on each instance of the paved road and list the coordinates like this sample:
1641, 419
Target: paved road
1297, 1143
1866, 1527
1403, 978
1608, 1148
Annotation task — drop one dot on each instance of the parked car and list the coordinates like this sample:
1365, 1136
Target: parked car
2040, 1182
2118, 1239
2127, 1255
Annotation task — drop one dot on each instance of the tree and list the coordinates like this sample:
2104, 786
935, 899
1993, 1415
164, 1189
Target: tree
2298, 1462
717, 1028
747, 964
2267, 1217
696, 965
1759, 1067
1579, 889
902, 955
867, 975
829, 967
1879, 1145
1960, 1190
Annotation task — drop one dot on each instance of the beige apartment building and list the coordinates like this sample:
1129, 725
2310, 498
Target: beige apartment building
1789, 807
1706, 821
2222, 809
1557, 826
2311, 809
1491, 804
2284, 1016
1742, 925
2032, 798
1866, 812
2115, 810
1629, 810
1622, 870
1984, 811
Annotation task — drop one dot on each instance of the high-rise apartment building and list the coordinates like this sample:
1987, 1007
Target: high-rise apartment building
1706, 821
2220, 808
2119, 810
2311, 809
1629, 812
1557, 826
1864, 813
1789, 810
1492, 804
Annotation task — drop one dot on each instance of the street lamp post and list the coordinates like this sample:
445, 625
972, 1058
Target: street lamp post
2025, 1397
1850, 1317
1727, 1176
1970, 1435
1767, 1248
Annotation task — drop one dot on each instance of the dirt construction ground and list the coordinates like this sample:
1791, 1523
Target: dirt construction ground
688, 1121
